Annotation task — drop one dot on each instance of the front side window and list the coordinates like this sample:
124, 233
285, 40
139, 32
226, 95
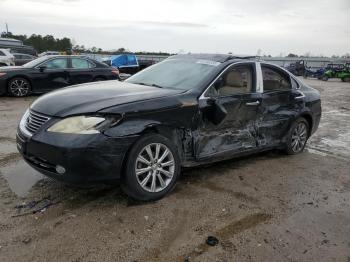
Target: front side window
182, 74
58, 63
275, 79
237, 80
78, 63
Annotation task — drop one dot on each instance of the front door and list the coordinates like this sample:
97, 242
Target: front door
233, 129
52, 75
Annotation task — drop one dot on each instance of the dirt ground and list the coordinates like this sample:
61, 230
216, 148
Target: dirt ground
266, 207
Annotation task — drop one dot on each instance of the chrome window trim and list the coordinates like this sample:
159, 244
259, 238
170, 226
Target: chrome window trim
257, 83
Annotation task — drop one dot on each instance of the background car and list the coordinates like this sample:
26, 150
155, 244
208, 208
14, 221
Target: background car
52, 72
21, 59
48, 53
6, 58
185, 111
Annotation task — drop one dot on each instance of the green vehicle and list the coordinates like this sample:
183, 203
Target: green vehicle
339, 71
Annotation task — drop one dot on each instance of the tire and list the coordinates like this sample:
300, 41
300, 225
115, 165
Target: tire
324, 78
19, 87
155, 179
297, 136
346, 79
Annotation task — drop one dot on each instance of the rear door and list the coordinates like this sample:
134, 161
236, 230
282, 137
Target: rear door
234, 92
281, 103
82, 70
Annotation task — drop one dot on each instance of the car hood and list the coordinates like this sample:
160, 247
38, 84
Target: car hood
93, 97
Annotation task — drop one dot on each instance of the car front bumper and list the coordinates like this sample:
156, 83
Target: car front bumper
83, 158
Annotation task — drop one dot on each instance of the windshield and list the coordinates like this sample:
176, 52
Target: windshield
174, 73
35, 62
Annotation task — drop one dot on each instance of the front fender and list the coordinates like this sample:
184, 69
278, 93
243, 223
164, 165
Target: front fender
131, 127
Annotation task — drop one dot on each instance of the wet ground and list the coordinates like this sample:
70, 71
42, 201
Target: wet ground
266, 207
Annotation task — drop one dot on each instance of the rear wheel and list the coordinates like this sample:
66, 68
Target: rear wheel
325, 78
152, 168
19, 87
297, 136
346, 79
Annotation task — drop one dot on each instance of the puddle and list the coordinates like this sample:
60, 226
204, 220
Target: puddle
20, 177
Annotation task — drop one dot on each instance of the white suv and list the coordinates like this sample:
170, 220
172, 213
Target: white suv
6, 58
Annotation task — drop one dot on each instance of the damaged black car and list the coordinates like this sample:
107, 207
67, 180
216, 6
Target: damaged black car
185, 111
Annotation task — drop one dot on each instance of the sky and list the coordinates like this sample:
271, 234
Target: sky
271, 27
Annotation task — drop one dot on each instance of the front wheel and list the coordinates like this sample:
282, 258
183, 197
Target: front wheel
297, 136
19, 87
152, 168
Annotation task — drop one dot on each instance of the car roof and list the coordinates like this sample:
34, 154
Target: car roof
221, 58
80, 56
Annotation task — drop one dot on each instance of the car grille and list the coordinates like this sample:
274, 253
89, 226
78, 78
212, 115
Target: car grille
35, 121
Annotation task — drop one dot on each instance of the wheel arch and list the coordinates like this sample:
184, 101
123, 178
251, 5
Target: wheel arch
174, 134
308, 117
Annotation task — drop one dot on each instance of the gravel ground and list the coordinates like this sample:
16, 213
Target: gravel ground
265, 207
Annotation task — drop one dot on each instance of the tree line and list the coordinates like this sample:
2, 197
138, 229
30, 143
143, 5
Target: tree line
50, 43
42, 43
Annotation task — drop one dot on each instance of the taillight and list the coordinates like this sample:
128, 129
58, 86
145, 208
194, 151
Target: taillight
2, 74
115, 71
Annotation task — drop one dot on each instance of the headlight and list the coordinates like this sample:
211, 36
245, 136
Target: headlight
78, 125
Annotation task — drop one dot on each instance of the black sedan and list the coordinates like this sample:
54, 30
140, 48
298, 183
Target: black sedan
52, 72
185, 111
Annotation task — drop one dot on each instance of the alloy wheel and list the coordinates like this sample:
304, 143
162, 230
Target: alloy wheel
155, 167
299, 137
19, 87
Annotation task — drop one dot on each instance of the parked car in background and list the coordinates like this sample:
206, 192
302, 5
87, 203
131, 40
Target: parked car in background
21, 59
186, 111
126, 63
297, 68
52, 72
6, 58
16, 46
340, 71
49, 53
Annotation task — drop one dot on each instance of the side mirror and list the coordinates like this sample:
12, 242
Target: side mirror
42, 68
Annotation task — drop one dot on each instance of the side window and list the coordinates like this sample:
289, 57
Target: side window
2, 53
78, 63
236, 80
275, 79
58, 63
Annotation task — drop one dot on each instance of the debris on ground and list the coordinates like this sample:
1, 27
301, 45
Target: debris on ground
35, 206
212, 241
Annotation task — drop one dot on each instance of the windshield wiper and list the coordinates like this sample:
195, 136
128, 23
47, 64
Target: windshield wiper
144, 84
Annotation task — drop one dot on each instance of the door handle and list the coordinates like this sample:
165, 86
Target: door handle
256, 103
300, 96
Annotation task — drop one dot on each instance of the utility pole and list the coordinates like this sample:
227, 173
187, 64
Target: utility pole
7, 29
